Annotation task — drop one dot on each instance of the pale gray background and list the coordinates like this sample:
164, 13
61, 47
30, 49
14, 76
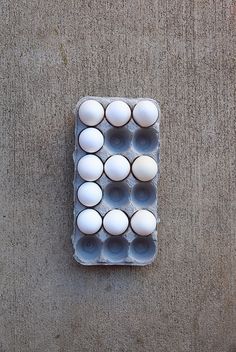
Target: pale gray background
180, 52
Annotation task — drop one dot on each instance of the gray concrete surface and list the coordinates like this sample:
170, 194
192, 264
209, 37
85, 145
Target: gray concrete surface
180, 52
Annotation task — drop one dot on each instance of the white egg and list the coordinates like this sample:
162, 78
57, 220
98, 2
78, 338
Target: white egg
115, 222
144, 168
118, 113
117, 167
145, 113
89, 221
89, 194
91, 140
91, 112
143, 222
90, 167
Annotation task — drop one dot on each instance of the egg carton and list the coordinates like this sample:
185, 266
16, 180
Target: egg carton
129, 195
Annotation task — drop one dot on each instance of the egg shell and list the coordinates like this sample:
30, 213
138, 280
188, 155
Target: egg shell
115, 222
90, 167
145, 113
144, 168
91, 139
117, 167
89, 221
89, 194
118, 113
143, 222
91, 112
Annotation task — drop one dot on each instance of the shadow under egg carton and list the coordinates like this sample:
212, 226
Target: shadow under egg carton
129, 195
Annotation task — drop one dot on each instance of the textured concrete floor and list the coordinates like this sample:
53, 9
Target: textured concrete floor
180, 52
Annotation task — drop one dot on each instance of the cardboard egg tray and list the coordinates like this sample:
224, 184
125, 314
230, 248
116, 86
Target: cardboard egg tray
129, 195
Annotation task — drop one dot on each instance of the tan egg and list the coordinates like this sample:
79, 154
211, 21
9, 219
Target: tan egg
144, 168
143, 222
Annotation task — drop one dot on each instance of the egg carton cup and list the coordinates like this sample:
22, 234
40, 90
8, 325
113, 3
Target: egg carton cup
129, 195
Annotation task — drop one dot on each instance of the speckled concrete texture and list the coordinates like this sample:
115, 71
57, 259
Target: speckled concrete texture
179, 52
